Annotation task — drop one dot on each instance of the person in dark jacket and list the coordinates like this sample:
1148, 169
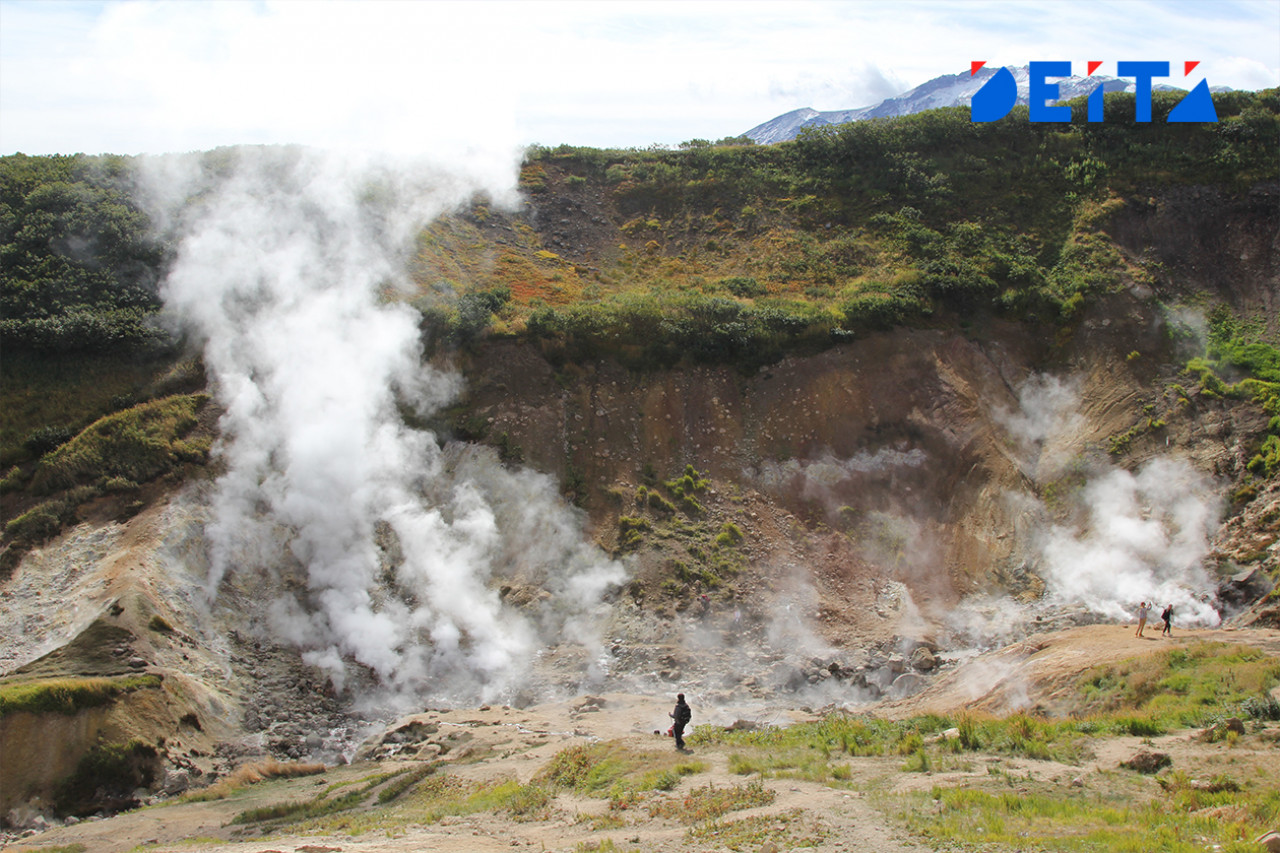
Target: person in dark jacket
681, 715
1167, 616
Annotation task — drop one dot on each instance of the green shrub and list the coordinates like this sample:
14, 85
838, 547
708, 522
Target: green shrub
47, 439
657, 502
730, 534
631, 530
13, 481
743, 286
137, 444
36, 524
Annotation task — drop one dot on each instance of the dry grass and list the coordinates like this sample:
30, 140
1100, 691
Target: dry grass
251, 774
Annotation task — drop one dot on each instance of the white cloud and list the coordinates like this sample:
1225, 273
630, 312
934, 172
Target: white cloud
155, 76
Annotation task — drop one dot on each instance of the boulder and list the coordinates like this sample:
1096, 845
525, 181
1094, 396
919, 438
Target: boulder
923, 659
907, 684
1240, 590
1148, 762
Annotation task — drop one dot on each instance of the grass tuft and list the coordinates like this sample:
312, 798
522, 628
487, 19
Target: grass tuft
69, 695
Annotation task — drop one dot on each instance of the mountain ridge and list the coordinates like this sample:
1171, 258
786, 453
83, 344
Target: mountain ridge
948, 90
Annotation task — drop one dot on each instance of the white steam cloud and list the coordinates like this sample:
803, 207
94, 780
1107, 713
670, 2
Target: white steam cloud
284, 258
1145, 539
1137, 536
1047, 417
828, 471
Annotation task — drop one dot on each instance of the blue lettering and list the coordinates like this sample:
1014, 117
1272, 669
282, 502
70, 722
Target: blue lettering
996, 97
1042, 91
1142, 72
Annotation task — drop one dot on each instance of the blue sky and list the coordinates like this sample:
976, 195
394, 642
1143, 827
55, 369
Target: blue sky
140, 76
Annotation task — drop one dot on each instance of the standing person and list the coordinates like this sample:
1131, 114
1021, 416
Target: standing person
1167, 616
1143, 612
682, 715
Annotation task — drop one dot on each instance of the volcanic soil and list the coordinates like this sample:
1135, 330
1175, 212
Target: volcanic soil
493, 743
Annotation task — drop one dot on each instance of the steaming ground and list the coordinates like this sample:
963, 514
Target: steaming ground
283, 257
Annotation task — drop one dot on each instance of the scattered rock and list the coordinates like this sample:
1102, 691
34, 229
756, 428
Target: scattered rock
1148, 762
1270, 841
1220, 730
1240, 590
908, 684
924, 659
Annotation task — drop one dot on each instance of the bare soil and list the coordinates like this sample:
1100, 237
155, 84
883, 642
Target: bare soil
494, 743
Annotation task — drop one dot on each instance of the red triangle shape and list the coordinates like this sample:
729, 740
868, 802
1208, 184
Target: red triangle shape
1188, 65
975, 65
1093, 65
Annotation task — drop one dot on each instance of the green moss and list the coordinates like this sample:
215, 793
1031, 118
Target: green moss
69, 695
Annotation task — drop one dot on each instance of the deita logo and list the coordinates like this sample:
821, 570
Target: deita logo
998, 95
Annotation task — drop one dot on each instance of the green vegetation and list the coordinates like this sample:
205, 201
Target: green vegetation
81, 265
251, 774
1240, 365
705, 552
316, 807
1189, 819
112, 455
47, 399
1147, 696
614, 770
732, 253
138, 444
407, 781
790, 830
709, 802
1181, 687
738, 254
69, 695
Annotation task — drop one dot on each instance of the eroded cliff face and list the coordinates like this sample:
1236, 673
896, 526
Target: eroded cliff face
928, 428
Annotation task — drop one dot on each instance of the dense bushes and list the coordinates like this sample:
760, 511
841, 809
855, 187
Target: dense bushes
650, 331
80, 264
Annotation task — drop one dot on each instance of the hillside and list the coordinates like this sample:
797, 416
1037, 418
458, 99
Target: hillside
807, 424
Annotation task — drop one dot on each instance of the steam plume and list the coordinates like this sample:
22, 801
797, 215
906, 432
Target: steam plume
1145, 537
1138, 535
282, 257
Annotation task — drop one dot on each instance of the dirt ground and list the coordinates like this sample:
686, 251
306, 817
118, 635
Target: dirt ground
489, 743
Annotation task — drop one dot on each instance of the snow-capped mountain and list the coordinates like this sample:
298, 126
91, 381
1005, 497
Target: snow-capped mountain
949, 90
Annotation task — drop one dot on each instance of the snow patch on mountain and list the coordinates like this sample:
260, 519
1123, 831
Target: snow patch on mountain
949, 90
